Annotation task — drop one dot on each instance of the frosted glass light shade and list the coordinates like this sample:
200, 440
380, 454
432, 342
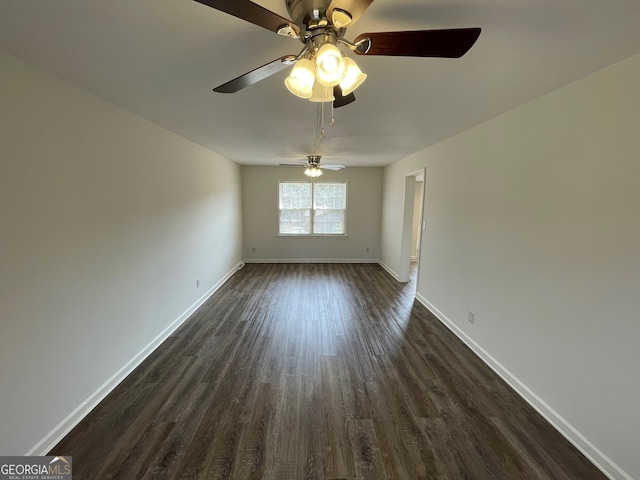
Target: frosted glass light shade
330, 68
301, 80
313, 172
322, 93
353, 77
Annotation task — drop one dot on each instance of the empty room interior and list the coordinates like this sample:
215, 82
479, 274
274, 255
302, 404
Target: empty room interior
226, 253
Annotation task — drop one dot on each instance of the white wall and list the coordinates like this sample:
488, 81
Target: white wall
107, 221
260, 217
533, 223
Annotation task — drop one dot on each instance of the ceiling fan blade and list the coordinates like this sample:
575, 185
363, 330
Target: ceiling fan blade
254, 76
340, 99
452, 43
332, 167
291, 165
355, 8
251, 12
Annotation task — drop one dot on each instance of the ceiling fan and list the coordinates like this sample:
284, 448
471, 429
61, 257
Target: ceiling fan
313, 166
322, 72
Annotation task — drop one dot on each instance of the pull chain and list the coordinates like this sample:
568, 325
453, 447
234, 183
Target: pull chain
320, 132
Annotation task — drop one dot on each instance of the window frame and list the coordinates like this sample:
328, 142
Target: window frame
312, 210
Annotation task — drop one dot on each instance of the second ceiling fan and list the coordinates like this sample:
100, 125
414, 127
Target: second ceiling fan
322, 72
313, 166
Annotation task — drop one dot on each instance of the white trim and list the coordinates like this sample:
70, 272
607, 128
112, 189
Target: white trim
416, 174
312, 235
588, 449
389, 270
58, 432
311, 260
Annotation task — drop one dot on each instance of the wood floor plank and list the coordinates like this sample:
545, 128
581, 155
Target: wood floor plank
312, 433
388, 426
316, 372
141, 455
255, 440
171, 455
339, 460
366, 450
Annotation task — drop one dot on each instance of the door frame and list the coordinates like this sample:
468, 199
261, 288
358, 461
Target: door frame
407, 224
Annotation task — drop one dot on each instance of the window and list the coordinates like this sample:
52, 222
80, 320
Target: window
312, 208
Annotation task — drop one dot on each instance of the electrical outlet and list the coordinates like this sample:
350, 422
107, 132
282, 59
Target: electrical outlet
253, 249
472, 317
197, 283
367, 250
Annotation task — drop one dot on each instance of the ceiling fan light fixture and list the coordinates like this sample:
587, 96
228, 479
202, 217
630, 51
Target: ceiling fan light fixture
330, 67
313, 172
302, 78
321, 93
353, 77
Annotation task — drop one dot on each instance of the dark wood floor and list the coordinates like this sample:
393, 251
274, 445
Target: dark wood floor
316, 371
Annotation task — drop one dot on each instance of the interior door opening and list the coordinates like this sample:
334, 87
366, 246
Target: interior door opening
412, 227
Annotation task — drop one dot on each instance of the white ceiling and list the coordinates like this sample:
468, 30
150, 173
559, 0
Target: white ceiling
161, 58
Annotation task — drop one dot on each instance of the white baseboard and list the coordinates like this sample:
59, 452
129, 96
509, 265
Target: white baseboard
597, 457
52, 438
311, 260
389, 270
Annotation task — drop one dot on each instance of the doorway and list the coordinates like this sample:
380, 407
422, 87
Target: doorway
412, 226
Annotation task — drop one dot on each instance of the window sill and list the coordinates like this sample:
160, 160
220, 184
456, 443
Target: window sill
313, 235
